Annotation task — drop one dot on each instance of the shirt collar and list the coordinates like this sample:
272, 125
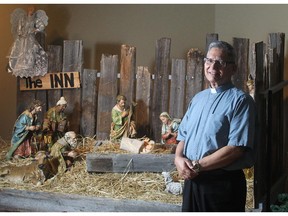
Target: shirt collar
221, 88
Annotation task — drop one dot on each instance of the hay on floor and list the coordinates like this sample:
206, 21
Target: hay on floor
138, 186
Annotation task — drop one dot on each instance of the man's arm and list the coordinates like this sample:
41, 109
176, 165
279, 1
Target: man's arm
221, 158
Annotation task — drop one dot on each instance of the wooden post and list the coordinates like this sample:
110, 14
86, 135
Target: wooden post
277, 41
143, 99
210, 38
275, 128
55, 59
160, 90
128, 72
73, 61
259, 173
89, 105
107, 94
195, 74
241, 47
177, 90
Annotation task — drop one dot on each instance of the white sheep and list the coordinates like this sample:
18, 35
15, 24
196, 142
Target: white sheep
172, 187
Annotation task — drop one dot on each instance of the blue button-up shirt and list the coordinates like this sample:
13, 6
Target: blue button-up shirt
216, 118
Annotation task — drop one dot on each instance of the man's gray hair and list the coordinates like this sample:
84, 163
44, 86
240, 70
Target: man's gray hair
226, 47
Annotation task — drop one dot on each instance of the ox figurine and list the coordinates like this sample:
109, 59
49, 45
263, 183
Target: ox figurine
32, 172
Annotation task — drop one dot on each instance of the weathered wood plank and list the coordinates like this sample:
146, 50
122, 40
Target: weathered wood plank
259, 173
128, 72
241, 47
161, 85
195, 74
89, 105
276, 146
55, 59
277, 41
210, 38
143, 99
62, 80
73, 61
129, 162
107, 94
28, 201
177, 90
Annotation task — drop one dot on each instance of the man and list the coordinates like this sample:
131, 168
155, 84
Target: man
121, 125
55, 122
63, 151
216, 139
25, 126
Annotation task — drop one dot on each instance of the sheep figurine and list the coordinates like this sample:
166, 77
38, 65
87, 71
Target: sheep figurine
172, 187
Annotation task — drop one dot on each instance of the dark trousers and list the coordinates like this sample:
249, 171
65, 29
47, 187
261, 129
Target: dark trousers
215, 191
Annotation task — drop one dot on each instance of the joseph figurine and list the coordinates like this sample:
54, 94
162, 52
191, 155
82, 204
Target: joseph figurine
122, 125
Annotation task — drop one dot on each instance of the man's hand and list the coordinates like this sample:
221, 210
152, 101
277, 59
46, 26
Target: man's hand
125, 113
31, 128
184, 167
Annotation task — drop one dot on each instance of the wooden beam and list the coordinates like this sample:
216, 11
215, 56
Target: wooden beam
108, 86
27, 201
73, 61
177, 90
129, 162
128, 72
88, 104
161, 85
241, 46
143, 99
195, 74
55, 58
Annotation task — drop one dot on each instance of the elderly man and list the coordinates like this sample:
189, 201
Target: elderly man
121, 125
216, 139
63, 151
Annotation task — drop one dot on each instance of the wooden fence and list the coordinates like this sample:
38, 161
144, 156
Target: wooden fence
169, 87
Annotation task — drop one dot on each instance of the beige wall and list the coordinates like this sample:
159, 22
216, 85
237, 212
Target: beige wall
252, 21
103, 28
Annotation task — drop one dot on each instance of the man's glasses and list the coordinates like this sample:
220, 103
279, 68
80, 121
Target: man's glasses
220, 63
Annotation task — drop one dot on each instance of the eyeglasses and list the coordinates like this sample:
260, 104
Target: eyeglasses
220, 63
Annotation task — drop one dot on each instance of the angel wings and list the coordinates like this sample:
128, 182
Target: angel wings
27, 58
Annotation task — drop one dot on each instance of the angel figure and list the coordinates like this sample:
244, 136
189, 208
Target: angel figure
27, 58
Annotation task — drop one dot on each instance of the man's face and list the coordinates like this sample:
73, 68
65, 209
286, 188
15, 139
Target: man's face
72, 140
122, 103
38, 109
63, 107
214, 71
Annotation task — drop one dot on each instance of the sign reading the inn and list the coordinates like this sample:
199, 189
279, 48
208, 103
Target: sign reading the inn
61, 80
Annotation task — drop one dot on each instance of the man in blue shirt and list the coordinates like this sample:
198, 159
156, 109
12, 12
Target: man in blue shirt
216, 139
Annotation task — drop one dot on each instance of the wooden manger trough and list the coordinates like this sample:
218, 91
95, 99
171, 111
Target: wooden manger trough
130, 162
